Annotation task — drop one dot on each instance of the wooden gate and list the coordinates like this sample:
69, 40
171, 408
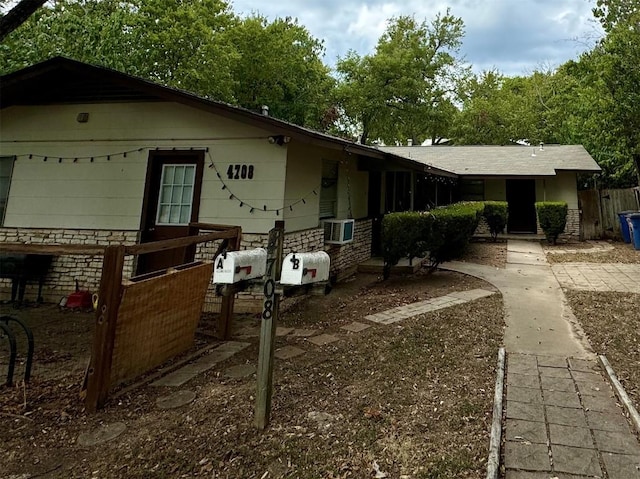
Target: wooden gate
600, 210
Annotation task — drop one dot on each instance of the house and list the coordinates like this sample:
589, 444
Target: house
94, 156
520, 175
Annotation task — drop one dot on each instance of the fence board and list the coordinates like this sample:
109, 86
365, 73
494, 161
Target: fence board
600, 210
589, 201
157, 319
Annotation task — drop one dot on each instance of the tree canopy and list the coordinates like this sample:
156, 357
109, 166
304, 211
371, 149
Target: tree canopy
414, 85
405, 89
200, 46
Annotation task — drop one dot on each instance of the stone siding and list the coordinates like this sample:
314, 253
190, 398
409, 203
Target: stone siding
345, 258
572, 230
66, 269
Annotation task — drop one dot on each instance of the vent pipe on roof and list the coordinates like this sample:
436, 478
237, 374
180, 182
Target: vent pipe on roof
265, 110
409, 142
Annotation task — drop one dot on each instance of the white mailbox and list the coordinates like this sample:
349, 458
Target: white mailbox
305, 268
236, 266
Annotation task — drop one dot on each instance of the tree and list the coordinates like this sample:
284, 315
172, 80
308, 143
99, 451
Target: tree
200, 46
279, 64
15, 17
405, 89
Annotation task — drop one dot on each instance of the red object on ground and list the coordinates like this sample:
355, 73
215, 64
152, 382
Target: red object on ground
79, 299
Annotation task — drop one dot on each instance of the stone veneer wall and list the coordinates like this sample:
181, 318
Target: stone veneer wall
572, 230
345, 258
65, 270
87, 269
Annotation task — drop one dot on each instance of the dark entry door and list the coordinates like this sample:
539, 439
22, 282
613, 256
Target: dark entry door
521, 196
375, 193
171, 202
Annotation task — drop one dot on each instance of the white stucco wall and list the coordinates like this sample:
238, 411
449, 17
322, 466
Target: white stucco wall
562, 187
108, 194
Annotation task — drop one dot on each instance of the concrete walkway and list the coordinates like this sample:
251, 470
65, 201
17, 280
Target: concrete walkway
562, 418
537, 316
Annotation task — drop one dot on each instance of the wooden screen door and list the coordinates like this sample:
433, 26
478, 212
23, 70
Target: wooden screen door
171, 202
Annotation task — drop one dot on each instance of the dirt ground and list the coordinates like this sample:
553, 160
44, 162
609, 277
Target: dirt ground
412, 400
621, 253
487, 252
612, 323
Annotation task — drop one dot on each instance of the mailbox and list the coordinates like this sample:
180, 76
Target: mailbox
305, 268
236, 266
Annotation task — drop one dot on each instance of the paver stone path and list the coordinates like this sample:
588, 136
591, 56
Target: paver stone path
562, 418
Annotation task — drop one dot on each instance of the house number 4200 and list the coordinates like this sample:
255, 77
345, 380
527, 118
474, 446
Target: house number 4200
240, 172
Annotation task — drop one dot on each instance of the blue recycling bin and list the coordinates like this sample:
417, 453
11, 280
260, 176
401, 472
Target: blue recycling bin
634, 221
624, 226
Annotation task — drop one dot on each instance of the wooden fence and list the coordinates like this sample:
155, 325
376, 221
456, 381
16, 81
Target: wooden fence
600, 210
143, 321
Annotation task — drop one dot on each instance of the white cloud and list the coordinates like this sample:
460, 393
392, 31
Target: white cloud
514, 37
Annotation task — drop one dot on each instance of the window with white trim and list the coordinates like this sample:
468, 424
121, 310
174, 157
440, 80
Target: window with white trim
6, 169
329, 190
176, 194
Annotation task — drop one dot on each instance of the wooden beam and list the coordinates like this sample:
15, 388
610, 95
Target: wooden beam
163, 245
99, 372
270, 311
52, 249
213, 227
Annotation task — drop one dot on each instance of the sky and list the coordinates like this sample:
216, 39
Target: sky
515, 37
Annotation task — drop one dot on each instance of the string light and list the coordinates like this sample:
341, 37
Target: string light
232, 196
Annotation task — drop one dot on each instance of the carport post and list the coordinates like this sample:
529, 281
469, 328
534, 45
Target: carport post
99, 372
270, 309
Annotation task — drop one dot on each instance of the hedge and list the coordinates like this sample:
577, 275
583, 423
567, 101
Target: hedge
404, 236
552, 216
497, 214
443, 232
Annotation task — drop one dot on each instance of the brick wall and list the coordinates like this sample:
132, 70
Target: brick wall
65, 270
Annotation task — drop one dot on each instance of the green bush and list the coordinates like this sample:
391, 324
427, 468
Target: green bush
496, 213
552, 216
443, 232
404, 236
452, 230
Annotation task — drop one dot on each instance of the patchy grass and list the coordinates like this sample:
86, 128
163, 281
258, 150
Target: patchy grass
411, 399
612, 323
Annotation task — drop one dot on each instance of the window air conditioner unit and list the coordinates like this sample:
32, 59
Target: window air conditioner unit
338, 231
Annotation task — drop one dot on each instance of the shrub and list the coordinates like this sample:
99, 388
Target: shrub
452, 230
552, 216
496, 213
404, 236
443, 232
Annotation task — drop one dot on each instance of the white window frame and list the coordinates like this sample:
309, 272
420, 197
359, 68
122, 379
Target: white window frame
160, 190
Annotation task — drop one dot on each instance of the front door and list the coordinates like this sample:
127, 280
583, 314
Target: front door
171, 202
521, 196
375, 193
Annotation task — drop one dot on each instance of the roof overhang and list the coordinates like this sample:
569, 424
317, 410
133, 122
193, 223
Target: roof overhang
62, 80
